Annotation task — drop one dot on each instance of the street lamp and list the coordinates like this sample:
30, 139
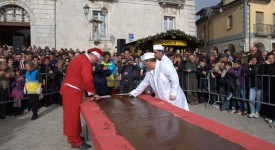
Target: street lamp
86, 9
104, 11
95, 21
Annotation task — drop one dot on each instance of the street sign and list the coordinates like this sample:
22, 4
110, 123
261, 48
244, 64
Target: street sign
131, 37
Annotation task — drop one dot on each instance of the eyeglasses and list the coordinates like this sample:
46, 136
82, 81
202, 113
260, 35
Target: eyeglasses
2, 57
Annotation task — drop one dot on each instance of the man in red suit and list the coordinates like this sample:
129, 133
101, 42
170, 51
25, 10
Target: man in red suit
77, 81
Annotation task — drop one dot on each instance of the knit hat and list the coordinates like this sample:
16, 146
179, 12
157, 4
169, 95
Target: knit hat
97, 52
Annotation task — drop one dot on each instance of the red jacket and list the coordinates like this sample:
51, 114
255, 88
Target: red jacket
79, 74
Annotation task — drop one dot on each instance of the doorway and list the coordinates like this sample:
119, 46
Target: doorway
14, 22
9, 30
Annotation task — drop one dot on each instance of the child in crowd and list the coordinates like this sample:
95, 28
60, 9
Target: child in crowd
241, 105
17, 91
228, 81
100, 74
202, 72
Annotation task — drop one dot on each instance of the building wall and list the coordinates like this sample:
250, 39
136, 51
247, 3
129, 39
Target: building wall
221, 37
62, 23
268, 10
219, 31
225, 45
219, 23
141, 18
42, 19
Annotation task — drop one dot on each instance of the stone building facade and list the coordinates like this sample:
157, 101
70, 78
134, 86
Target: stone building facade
238, 25
62, 23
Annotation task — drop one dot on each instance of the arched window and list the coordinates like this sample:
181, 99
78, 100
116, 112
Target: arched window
13, 13
260, 46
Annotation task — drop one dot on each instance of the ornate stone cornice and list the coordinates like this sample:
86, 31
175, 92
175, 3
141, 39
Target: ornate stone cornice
178, 3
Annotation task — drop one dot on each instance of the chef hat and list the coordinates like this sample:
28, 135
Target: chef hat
147, 56
158, 47
97, 52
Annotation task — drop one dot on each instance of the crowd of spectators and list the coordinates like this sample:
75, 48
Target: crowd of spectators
236, 76
51, 64
242, 81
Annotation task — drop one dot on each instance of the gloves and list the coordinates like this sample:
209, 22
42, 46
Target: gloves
24, 91
39, 90
95, 97
172, 97
130, 94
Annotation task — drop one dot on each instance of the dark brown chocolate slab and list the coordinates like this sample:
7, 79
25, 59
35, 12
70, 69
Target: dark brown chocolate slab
148, 127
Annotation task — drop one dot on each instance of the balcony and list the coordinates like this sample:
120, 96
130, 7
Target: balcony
261, 29
178, 3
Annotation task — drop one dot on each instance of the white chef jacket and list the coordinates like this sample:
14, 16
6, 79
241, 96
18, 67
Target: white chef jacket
167, 60
164, 81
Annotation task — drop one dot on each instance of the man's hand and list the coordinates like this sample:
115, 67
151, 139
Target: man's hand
8, 75
105, 68
172, 97
267, 62
95, 97
25, 91
93, 68
39, 90
130, 94
141, 73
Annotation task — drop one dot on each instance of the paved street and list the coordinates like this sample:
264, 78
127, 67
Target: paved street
19, 133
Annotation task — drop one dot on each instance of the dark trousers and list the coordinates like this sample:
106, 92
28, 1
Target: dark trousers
126, 86
192, 86
34, 102
3, 102
110, 90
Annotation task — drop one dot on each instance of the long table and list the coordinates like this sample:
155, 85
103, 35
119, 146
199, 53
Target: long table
143, 123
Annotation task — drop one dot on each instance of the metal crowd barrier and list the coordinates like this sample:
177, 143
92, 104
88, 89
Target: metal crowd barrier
214, 94
5, 93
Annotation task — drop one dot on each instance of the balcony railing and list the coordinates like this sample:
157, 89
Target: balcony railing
262, 29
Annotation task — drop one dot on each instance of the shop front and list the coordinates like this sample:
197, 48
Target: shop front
178, 46
173, 40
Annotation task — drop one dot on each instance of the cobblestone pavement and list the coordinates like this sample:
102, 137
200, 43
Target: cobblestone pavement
46, 133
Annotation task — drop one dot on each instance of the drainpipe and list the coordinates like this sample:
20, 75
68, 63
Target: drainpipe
249, 28
244, 21
55, 24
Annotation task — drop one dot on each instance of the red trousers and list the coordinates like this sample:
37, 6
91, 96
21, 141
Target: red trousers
72, 99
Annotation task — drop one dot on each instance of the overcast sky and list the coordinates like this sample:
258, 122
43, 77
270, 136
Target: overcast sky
205, 3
